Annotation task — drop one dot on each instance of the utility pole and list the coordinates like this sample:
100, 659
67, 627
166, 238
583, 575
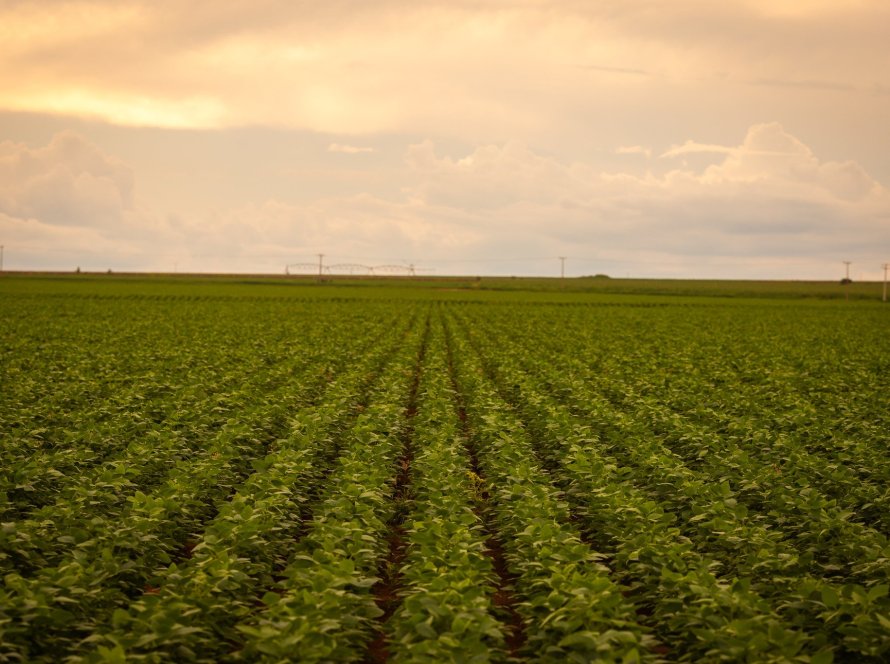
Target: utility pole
886, 266
846, 281
562, 267
320, 257
847, 263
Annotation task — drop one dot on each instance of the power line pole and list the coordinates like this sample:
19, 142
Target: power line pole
847, 263
320, 257
562, 267
886, 266
846, 281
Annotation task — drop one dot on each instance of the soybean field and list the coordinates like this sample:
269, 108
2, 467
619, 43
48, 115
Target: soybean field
205, 471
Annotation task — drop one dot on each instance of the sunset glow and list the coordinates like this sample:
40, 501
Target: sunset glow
742, 139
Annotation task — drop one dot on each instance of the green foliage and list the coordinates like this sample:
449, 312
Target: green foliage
447, 612
226, 471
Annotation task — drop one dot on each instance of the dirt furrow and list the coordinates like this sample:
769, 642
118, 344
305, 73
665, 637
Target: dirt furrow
386, 590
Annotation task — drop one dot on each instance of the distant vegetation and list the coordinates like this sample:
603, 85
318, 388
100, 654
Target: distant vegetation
439, 286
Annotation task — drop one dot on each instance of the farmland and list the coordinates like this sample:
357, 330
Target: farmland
230, 471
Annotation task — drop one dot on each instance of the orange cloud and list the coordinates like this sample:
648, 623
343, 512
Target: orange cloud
485, 71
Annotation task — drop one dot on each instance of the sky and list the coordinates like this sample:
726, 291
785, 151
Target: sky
745, 139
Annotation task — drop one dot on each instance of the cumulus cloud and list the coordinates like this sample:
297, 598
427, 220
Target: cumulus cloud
70, 197
70, 204
769, 159
770, 196
68, 182
775, 158
692, 147
493, 176
634, 149
348, 149
770, 207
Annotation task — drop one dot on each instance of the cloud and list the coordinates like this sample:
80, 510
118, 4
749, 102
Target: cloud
770, 207
69, 198
68, 182
769, 197
771, 157
493, 176
634, 149
809, 84
139, 110
692, 147
365, 67
348, 149
774, 158
615, 70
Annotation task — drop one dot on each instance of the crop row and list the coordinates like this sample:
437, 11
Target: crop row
354, 481
572, 608
103, 562
791, 499
723, 533
203, 607
323, 608
124, 401
812, 412
447, 580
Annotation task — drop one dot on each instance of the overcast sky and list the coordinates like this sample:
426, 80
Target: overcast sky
684, 138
